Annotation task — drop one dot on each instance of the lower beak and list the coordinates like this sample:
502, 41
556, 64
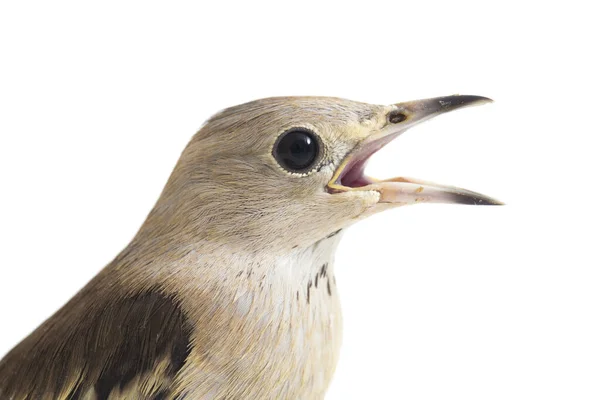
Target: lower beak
412, 191
350, 175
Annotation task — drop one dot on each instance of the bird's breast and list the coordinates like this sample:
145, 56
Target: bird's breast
271, 335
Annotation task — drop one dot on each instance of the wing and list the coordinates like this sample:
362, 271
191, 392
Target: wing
123, 347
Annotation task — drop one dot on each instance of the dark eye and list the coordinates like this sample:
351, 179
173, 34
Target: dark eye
296, 150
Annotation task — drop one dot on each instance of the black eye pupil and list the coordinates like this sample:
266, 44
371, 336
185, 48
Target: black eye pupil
296, 150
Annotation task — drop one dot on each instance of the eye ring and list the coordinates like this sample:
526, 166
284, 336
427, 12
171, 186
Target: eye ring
298, 150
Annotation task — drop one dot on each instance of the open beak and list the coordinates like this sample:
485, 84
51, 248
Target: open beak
350, 175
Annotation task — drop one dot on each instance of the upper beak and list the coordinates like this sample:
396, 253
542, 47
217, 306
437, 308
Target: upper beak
350, 174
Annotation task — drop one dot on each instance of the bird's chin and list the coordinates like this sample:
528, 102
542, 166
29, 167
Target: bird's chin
350, 176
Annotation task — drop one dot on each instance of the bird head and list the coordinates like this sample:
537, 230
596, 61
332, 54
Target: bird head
285, 172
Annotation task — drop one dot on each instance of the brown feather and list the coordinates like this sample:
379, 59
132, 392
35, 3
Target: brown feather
113, 346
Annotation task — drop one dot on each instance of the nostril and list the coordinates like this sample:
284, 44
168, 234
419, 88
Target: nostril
396, 117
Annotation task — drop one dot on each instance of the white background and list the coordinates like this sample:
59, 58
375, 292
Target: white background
441, 302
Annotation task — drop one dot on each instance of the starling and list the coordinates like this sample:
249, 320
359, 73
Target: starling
227, 291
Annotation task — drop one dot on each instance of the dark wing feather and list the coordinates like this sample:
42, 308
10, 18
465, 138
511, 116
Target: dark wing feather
128, 347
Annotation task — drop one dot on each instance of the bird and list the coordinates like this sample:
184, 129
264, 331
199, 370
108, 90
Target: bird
227, 291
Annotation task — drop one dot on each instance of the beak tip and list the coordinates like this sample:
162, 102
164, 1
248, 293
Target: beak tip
496, 203
475, 199
486, 100
459, 101
489, 202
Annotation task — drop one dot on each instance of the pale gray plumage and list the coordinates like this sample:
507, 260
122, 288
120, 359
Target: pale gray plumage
227, 291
